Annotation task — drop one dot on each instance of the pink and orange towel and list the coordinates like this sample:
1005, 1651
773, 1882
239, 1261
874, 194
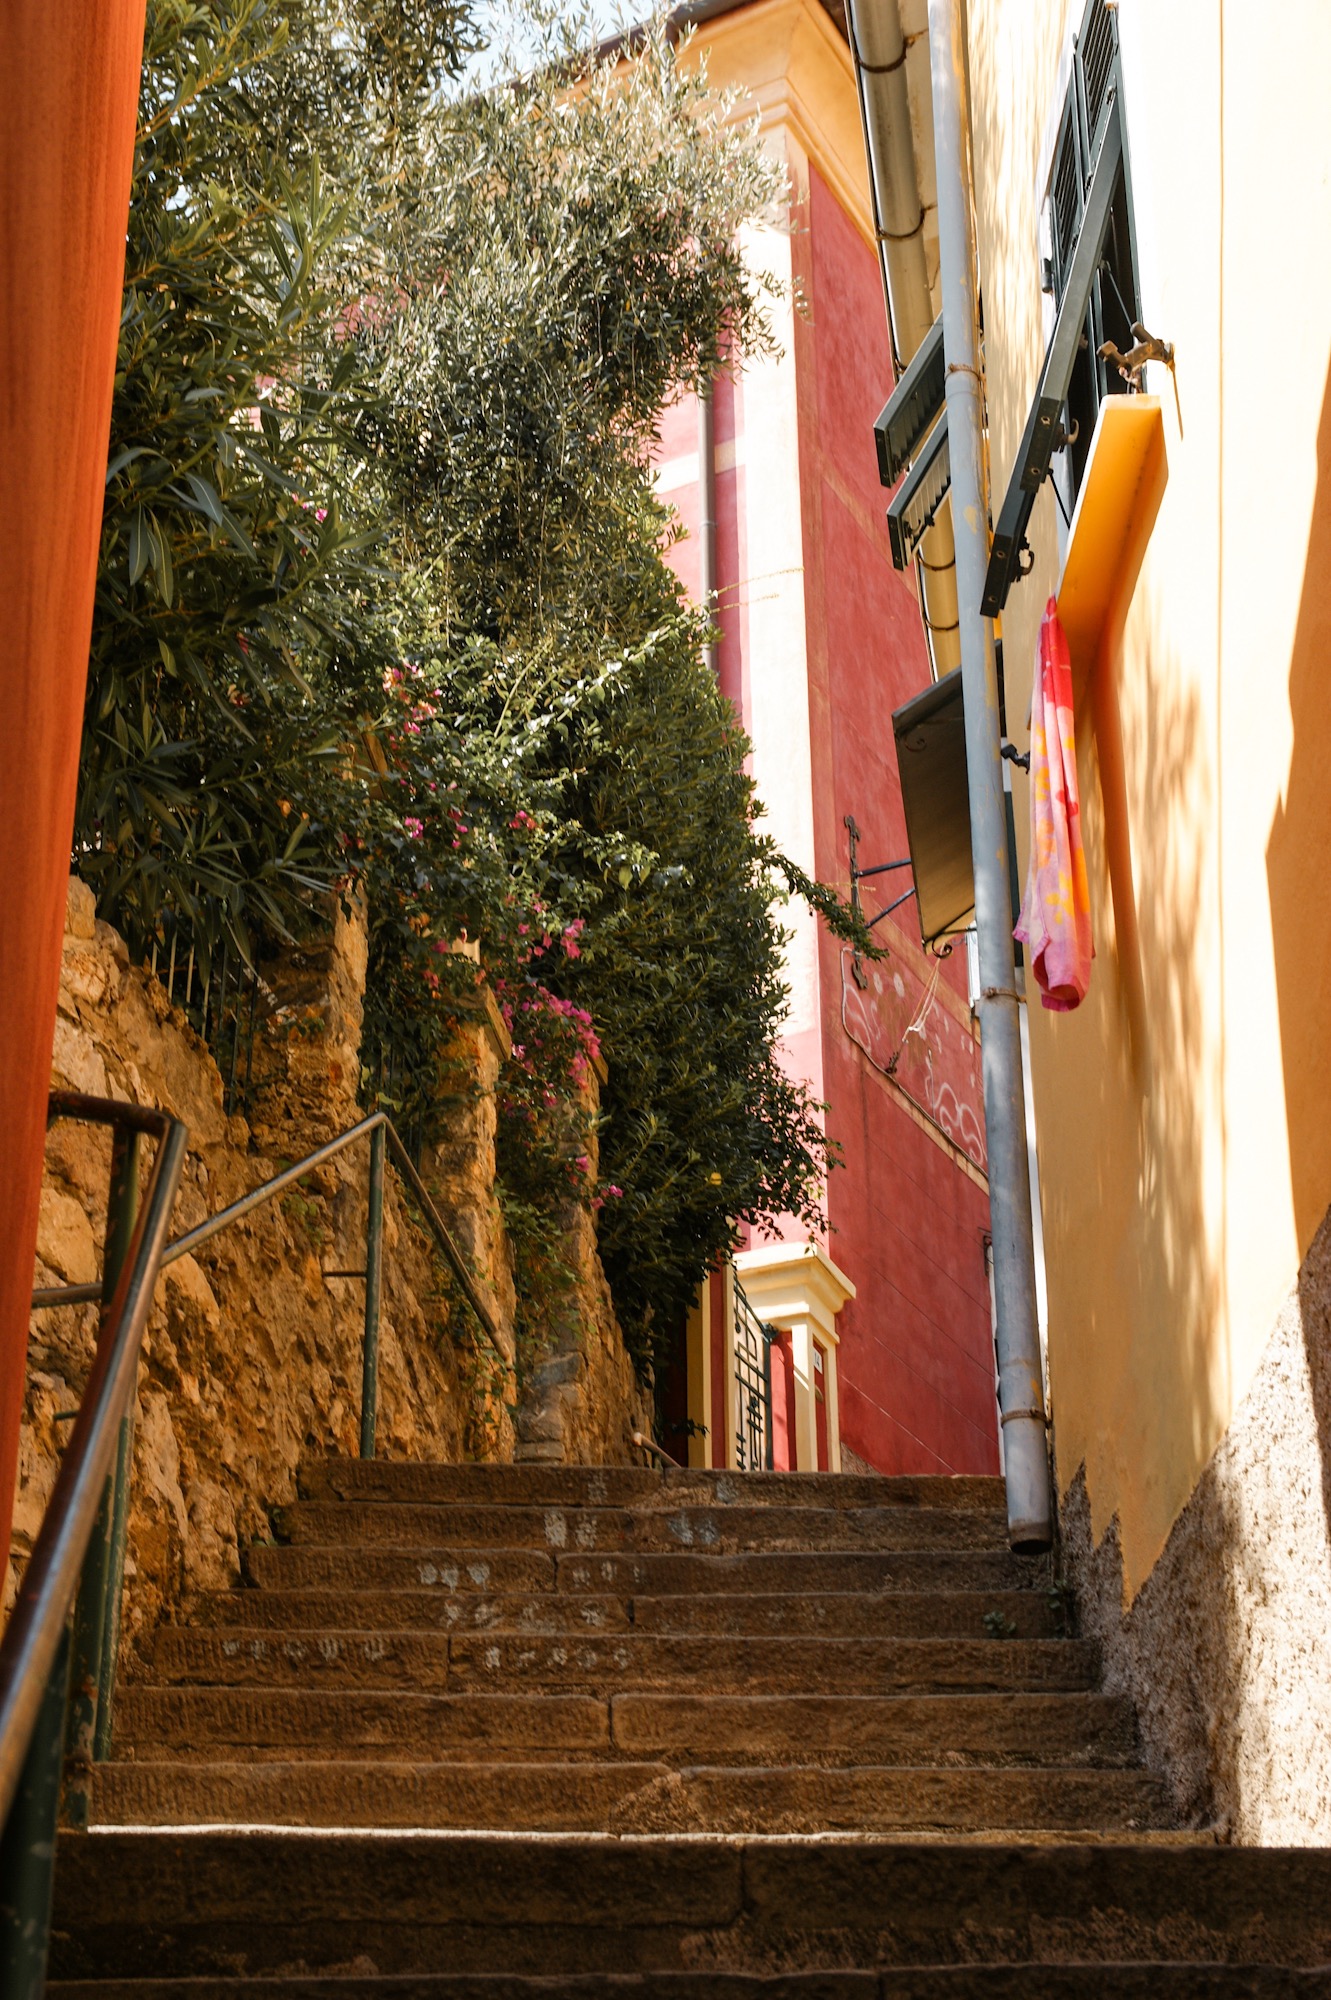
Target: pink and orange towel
1055, 923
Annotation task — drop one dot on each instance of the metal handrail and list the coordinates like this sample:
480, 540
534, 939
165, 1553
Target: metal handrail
183, 1246
33, 1635
57, 1683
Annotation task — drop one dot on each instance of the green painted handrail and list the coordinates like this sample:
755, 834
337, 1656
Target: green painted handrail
57, 1677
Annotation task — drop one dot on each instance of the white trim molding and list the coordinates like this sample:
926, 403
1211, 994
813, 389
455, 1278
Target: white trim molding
798, 1288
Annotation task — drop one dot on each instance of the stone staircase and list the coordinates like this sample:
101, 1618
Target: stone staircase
524, 1730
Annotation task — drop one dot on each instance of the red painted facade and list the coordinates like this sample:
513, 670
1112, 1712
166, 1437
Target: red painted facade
908, 1221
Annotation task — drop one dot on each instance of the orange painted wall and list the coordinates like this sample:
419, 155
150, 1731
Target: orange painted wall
71, 76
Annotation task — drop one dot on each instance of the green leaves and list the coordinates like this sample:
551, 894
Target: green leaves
382, 593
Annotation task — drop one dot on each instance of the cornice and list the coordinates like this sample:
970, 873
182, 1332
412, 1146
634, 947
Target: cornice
792, 70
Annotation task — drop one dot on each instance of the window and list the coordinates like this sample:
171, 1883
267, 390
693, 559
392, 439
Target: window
1115, 300
1092, 273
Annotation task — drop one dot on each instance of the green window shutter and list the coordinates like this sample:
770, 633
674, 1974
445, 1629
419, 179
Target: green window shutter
1044, 425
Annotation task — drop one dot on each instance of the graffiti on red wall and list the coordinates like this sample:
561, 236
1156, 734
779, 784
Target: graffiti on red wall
911, 1036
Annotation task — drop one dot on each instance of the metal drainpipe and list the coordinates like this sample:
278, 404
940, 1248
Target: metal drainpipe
707, 498
1021, 1394
878, 47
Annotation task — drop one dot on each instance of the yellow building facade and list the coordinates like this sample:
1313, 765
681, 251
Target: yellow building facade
1183, 1113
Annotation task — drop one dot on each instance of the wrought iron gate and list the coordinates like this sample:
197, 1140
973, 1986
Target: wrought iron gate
753, 1386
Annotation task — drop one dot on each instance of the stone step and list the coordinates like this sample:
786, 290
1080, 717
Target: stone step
544, 1611
142, 1903
623, 1797
614, 1530
1094, 1730
1016, 1614
1079, 1981
1024, 1614
802, 1664
465, 1572
218, 1657
579, 1486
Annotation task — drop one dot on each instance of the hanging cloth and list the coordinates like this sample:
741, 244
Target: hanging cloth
1055, 921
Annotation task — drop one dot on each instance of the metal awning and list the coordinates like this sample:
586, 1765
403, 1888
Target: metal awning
930, 733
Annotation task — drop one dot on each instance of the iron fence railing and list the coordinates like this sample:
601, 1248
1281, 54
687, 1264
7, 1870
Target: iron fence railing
220, 995
58, 1654
754, 1442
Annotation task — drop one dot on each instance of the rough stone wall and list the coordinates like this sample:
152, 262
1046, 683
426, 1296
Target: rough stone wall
252, 1357
1224, 1648
579, 1397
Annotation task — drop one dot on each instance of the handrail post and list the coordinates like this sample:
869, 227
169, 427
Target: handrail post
770, 1333
374, 1243
97, 1607
27, 1845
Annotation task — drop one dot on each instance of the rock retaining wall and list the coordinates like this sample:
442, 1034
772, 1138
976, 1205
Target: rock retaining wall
253, 1354
579, 1399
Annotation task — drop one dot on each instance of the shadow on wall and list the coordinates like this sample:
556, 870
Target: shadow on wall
1298, 861
1138, 1376
1298, 855
1223, 1649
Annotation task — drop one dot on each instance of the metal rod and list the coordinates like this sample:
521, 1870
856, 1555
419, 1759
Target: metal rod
36, 1624
374, 1243
115, 1589
707, 526
891, 906
769, 1448
27, 1845
91, 1674
882, 868
68, 1295
1021, 1397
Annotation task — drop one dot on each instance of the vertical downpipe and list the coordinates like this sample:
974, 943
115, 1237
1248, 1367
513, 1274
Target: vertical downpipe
374, 1244
1021, 1395
707, 526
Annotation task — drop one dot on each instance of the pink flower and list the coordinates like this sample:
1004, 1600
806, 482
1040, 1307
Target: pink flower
415, 827
613, 1193
583, 1164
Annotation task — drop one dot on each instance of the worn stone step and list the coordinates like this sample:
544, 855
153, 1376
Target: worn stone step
397, 1524
1177, 1980
1172, 1981
820, 1729
1022, 1614
143, 1902
156, 1724
580, 1486
497, 1986
622, 1797
800, 1572
467, 1572
545, 1611
452, 1572
630, 1659
300, 1659
222, 1657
